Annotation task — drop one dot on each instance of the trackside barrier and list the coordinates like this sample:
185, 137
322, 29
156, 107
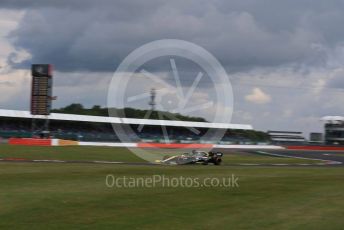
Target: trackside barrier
61, 142
174, 146
320, 148
41, 142
30, 141
248, 147
108, 144
3, 140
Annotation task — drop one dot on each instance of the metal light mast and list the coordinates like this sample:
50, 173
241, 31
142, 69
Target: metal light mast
152, 99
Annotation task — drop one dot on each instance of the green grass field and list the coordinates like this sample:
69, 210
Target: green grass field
75, 196
336, 154
123, 154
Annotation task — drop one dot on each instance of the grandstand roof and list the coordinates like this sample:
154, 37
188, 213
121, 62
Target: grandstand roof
332, 118
118, 120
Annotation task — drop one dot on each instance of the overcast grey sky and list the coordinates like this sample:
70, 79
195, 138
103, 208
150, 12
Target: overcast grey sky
284, 58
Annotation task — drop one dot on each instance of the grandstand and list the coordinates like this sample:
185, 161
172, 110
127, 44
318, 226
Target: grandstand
15, 123
286, 137
334, 130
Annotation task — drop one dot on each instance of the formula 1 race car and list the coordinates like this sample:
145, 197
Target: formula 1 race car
193, 158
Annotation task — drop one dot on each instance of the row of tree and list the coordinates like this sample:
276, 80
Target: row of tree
138, 113
126, 112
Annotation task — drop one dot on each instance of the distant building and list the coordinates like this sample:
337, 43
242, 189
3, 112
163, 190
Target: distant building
334, 130
286, 137
316, 138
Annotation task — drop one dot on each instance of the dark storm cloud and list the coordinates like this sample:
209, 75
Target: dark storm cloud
74, 4
97, 35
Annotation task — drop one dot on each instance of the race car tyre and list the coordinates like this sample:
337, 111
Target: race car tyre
217, 162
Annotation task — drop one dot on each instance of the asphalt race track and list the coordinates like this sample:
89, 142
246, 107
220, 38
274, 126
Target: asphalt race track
323, 155
333, 158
